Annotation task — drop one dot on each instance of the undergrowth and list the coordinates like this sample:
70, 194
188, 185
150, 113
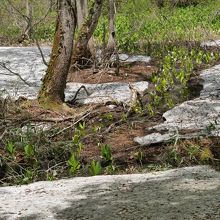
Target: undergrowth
29, 153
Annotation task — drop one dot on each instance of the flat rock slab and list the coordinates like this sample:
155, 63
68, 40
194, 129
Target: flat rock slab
191, 119
124, 58
186, 193
27, 62
211, 43
105, 92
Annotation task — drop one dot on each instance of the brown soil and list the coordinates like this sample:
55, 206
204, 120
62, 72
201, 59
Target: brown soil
138, 72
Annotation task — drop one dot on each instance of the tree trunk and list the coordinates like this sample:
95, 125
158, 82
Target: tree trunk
111, 46
86, 31
82, 11
29, 20
54, 82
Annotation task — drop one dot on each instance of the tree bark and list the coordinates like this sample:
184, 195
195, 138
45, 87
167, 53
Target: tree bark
86, 31
111, 46
54, 82
82, 11
29, 20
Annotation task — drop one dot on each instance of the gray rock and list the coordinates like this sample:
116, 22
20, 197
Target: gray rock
105, 92
211, 43
194, 118
133, 58
186, 193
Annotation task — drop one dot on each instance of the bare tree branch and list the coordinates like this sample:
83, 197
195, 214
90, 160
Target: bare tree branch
41, 53
46, 14
4, 65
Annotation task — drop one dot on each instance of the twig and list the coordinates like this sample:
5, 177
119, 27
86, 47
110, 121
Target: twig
17, 10
76, 94
3, 134
3, 65
41, 53
52, 119
46, 14
72, 125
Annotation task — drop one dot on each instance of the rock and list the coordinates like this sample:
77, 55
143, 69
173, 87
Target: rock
27, 62
212, 43
194, 118
185, 193
105, 92
134, 58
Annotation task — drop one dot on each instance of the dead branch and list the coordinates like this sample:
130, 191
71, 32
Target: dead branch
3, 65
41, 53
89, 112
46, 14
17, 10
76, 94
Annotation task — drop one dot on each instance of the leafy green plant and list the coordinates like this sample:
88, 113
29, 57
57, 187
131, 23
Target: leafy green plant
176, 67
10, 147
95, 168
29, 151
106, 152
74, 164
97, 128
193, 151
108, 117
28, 176
78, 134
137, 108
124, 117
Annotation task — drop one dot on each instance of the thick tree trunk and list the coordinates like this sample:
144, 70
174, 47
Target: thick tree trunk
54, 82
86, 31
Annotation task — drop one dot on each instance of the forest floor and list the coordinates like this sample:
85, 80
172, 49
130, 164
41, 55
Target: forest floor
55, 136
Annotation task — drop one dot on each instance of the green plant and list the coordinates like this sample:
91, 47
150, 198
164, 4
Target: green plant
137, 108
28, 176
193, 151
95, 168
78, 134
206, 155
177, 65
124, 117
10, 147
139, 156
106, 152
29, 151
97, 128
74, 164
110, 169
108, 117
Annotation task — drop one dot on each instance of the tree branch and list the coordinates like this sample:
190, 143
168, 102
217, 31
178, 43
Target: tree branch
41, 53
4, 66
